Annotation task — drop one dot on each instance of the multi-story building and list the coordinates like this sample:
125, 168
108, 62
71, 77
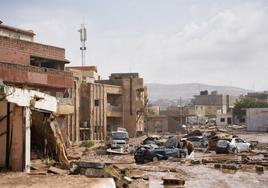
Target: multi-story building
34, 84
214, 103
101, 106
133, 100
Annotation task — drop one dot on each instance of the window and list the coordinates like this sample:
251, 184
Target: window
222, 119
97, 102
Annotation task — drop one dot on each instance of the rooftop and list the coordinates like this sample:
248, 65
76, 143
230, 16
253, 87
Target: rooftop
84, 68
18, 30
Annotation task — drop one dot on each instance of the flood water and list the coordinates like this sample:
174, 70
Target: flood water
204, 176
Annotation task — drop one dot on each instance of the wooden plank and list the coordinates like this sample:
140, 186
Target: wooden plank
57, 170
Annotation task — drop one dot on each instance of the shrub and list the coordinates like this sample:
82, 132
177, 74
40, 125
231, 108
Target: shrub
88, 143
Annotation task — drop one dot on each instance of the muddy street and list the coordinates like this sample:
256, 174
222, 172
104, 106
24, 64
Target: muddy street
204, 168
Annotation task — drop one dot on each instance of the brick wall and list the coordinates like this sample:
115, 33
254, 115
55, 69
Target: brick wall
19, 51
29, 75
14, 57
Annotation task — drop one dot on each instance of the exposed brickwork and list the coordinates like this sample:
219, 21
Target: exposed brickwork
14, 57
35, 76
26, 48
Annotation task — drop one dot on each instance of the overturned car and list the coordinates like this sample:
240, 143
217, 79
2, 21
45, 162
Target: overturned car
153, 152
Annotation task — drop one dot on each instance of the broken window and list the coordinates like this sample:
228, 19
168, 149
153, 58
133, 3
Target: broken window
222, 119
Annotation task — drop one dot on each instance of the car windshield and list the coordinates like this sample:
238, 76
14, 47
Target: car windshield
120, 135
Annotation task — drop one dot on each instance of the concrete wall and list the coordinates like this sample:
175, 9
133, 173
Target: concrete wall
16, 33
158, 123
133, 105
93, 109
209, 100
175, 124
257, 119
222, 119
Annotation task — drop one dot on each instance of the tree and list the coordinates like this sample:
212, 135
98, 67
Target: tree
241, 106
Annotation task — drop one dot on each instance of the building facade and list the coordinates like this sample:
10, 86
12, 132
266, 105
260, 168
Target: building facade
257, 119
214, 103
33, 84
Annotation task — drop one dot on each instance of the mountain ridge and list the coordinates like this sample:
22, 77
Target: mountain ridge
188, 90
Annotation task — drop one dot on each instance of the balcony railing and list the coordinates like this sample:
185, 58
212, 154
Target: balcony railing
30, 68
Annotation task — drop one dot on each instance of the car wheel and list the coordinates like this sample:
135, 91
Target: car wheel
155, 159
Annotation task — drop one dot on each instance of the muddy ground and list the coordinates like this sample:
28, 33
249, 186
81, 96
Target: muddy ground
195, 175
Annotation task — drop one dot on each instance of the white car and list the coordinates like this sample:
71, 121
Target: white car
238, 145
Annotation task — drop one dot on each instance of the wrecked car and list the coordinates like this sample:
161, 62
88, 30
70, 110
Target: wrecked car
117, 139
153, 152
222, 147
238, 145
153, 140
198, 141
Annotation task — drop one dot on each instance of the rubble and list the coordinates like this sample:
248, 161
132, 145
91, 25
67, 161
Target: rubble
172, 181
259, 169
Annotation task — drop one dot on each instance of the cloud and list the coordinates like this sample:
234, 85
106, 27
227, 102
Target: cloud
214, 43
224, 49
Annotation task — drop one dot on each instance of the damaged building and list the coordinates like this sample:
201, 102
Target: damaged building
105, 105
35, 103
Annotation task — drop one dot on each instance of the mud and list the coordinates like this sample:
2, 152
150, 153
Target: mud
21, 180
151, 174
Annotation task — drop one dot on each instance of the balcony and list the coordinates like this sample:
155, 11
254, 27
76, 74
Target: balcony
114, 111
30, 75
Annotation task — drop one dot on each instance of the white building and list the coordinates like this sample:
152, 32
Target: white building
257, 119
224, 119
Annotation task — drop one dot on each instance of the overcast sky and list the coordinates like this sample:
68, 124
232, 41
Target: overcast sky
219, 42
